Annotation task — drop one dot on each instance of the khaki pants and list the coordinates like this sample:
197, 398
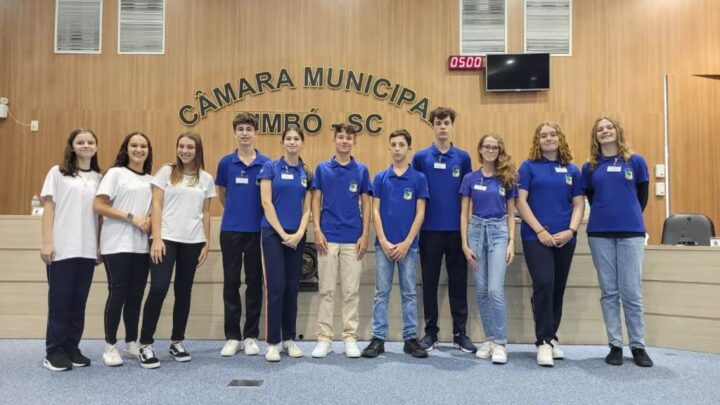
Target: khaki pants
341, 260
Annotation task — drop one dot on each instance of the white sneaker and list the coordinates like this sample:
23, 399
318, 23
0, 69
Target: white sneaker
230, 348
251, 347
111, 357
544, 355
352, 350
132, 349
485, 350
499, 354
557, 352
272, 353
292, 348
322, 349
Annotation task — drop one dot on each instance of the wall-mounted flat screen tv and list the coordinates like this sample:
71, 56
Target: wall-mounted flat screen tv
517, 72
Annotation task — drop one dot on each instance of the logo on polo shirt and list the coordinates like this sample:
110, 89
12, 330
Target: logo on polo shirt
456, 171
501, 191
568, 179
628, 174
353, 186
303, 181
408, 193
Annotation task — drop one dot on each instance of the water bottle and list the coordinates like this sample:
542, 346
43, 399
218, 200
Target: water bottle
35, 205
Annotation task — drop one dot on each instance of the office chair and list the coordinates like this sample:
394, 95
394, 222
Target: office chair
687, 229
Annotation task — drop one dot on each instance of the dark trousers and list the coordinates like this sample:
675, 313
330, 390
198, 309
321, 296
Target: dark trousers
282, 267
69, 283
549, 268
433, 245
238, 249
186, 256
127, 275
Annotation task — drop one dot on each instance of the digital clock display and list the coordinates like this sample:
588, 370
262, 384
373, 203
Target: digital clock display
466, 62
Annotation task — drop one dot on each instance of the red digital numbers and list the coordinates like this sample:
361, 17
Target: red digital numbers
466, 62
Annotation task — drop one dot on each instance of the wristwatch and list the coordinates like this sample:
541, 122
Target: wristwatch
130, 217
574, 231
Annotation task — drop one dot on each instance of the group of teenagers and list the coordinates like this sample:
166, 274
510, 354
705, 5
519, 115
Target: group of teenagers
423, 209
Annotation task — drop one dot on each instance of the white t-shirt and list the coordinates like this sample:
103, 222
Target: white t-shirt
75, 223
182, 216
128, 192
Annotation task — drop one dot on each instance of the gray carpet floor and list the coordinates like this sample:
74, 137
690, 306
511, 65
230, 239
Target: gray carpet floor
448, 376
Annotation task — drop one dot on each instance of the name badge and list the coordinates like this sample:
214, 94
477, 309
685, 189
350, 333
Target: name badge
441, 166
614, 169
241, 180
480, 187
287, 176
561, 169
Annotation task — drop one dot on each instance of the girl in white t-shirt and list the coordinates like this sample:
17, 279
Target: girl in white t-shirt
123, 198
69, 247
180, 231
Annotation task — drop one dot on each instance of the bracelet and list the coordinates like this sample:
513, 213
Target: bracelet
574, 231
544, 228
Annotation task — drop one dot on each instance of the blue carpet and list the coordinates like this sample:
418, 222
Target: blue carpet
448, 376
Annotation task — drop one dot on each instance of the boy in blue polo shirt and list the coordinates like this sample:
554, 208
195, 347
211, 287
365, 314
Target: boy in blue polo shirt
341, 227
239, 193
399, 195
444, 165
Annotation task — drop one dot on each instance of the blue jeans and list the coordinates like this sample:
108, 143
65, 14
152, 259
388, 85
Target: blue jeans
618, 262
488, 239
384, 270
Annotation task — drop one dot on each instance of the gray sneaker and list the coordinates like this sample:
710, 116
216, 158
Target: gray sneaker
428, 343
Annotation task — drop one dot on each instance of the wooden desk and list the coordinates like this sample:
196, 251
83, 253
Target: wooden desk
681, 290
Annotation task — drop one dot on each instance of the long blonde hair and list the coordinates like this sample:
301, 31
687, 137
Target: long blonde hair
178, 168
565, 155
596, 152
504, 166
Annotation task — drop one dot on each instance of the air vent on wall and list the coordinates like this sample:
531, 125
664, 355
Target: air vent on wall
141, 28
78, 26
482, 27
548, 26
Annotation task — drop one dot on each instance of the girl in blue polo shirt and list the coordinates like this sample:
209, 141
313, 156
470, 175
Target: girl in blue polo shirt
283, 189
616, 183
551, 204
491, 191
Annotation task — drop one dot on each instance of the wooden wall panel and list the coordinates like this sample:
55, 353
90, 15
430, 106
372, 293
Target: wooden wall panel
621, 50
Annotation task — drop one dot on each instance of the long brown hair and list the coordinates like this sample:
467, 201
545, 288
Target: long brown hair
68, 166
123, 159
299, 131
504, 166
565, 155
178, 168
595, 151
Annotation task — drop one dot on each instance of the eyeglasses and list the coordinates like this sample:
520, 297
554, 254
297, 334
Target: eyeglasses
491, 148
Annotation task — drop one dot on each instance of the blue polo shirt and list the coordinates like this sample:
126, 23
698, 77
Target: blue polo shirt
551, 188
341, 187
289, 185
398, 199
488, 195
444, 172
615, 206
243, 209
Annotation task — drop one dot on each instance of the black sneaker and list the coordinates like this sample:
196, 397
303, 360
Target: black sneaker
375, 348
57, 361
77, 358
462, 342
147, 357
615, 357
177, 350
412, 347
641, 357
428, 343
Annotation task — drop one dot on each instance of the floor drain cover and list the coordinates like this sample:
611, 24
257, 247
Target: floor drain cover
245, 383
